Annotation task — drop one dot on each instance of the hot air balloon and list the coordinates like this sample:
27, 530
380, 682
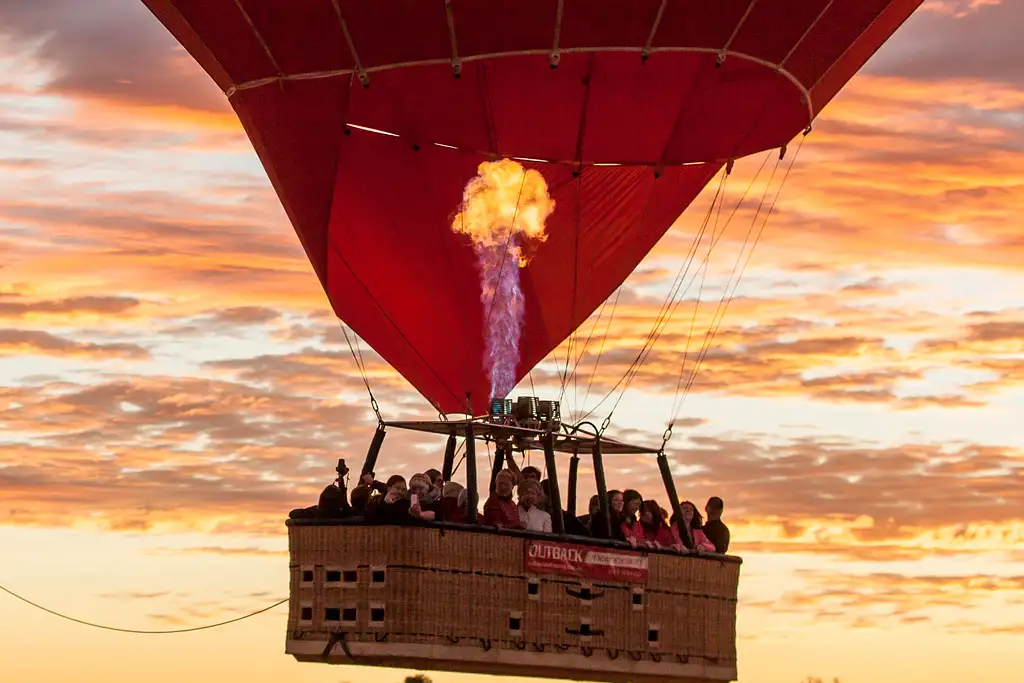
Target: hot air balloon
379, 123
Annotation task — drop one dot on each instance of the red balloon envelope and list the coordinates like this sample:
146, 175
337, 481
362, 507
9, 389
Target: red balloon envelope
668, 90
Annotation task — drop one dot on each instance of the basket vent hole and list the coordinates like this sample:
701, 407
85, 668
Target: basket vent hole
307, 575
586, 594
584, 629
332, 576
532, 588
377, 614
638, 598
515, 623
332, 614
306, 614
652, 635
350, 576
377, 576
348, 614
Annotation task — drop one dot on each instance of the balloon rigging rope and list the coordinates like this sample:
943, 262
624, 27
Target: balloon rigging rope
705, 263
583, 352
677, 298
730, 295
135, 630
668, 307
357, 356
600, 350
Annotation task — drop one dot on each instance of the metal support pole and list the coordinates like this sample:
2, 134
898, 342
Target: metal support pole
673, 499
574, 467
371, 455
498, 466
557, 520
602, 488
449, 459
474, 494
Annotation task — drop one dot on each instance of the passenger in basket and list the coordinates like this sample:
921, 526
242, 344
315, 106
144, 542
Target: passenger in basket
715, 529
448, 508
530, 472
692, 520
422, 498
435, 477
533, 518
632, 501
652, 530
616, 501
360, 500
592, 510
598, 529
396, 506
500, 510
464, 505
431, 498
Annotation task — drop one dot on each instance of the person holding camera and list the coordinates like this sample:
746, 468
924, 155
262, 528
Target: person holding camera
333, 503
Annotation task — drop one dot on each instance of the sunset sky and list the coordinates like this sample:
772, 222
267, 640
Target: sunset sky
172, 381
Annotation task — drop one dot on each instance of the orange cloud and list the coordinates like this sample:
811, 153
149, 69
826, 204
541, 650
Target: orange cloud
14, 341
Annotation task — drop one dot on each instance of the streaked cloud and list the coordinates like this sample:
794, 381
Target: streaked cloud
171, 365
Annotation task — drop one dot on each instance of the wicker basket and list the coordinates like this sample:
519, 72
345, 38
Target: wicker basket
443, 599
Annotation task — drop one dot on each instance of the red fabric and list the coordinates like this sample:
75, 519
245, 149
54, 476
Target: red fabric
503, 513
372, 212
451, 512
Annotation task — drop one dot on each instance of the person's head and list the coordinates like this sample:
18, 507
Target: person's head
529, 493
503, 484
595, 505
616, 501
650, 514
464, 500
434, 476
396, 486
631, 502
531, 473
452, 490
691, 518
419, 484
360, 497
714, 508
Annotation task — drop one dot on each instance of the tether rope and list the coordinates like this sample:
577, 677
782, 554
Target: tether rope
104, 627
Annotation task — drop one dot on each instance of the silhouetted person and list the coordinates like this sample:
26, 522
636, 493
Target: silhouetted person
715, 529
593, 509
333, 503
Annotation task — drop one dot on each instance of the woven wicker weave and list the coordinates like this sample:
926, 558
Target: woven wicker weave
443, 599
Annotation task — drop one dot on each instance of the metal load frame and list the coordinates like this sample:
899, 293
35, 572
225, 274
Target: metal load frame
509, 436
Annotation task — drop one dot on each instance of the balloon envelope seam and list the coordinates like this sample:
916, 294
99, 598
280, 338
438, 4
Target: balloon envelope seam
805, 92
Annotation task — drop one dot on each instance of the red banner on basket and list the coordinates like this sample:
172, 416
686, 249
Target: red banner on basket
548, 557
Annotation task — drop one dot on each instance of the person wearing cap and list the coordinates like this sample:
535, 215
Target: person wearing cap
500, 510
448, 508
422, 503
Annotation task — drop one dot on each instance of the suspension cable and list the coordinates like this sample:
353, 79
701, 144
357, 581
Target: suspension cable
583, 352
135, 630
728, 295
735, 285
666, 311
357, 356
600, 350
696, 306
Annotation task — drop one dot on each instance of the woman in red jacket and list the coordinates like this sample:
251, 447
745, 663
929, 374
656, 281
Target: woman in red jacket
651, 530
